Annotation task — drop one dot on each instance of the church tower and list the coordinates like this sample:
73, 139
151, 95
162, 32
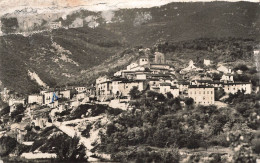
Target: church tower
159, 58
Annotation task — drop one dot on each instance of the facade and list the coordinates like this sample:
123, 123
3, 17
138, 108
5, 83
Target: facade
159, 58
206, 62
124, 87
103, 88
80, 89
224, 69
191, 67
65, 94
167, 87
80, 96
48, 97
35, 99
183, 86
143, 61
132, 66
235, 87
227, 78
16, 101
203, 95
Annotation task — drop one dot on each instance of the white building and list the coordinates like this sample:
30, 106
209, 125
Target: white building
132, 66
55, 25
16, 101
123, 87
35, 99
224, 69
206, 62
202, 94
191, 67
80, 96
103, 88
48, 97
65, 94
238, 86
167, 87
227, 78
183, 86
143, 61
80, 89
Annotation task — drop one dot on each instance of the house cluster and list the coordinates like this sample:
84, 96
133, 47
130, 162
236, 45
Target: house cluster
150, 72
157, 74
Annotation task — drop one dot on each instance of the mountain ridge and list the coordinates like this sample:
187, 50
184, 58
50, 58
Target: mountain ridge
86, 40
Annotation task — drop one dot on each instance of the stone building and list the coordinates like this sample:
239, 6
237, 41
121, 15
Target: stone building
35, 98
159, 58
238, 86
202, 94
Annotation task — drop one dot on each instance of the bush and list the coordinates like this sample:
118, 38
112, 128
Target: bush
68, 149
7, 145
5, 111
135, 93
256, 143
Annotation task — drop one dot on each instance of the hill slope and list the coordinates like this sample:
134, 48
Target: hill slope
96, 42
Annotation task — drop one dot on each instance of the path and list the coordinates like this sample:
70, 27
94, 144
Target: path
71, 132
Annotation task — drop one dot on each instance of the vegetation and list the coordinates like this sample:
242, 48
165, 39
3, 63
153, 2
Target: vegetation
134, 93
92, 110
68, 149
163, 124
18, 113
104, 47
7, 145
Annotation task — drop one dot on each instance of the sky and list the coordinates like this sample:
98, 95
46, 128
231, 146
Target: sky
8, 6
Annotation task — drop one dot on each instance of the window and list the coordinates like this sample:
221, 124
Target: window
203, 92
207, 92
211, 92
195, 92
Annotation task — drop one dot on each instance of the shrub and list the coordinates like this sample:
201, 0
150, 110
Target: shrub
7, 145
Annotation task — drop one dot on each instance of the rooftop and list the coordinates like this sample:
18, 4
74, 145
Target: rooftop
237, 83
200, 86
165, 84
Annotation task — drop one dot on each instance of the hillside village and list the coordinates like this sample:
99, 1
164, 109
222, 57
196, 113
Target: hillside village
155, 74
149, 73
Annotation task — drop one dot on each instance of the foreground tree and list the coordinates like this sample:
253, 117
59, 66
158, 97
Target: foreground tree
135, 93
69, 149
7, 145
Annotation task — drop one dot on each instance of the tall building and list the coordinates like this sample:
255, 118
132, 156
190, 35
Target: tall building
159, 58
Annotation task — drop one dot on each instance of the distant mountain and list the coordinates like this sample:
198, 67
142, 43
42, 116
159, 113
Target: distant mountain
87, 43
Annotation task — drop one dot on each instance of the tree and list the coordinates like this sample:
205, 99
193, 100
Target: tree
169, 95
135, 93
7, 145
219, 93
193, 139
68, 149
189, 102
256, 143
